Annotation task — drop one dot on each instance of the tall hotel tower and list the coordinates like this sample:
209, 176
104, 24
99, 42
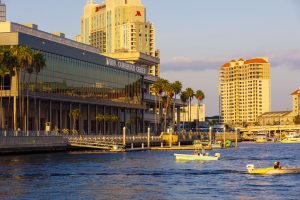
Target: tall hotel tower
120, 30
244, 89
2, 12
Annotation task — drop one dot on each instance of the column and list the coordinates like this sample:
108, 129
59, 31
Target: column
96, 112
79, 120
50, 114
88, 120
39, 116
70, 118
15, 113
60, 117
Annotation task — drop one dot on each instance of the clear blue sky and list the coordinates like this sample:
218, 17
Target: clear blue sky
197, 36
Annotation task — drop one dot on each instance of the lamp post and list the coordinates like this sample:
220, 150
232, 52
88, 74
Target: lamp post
224, 137
236, 138
210, 135
124, 136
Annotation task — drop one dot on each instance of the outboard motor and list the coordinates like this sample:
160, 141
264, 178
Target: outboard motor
218, 155
250, 168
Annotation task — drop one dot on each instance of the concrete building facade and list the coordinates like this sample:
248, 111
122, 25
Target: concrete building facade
2, 12
244, 89
197, 112
120, 30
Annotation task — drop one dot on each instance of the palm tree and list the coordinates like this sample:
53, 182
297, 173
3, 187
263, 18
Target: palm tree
156, 89
9, 61
190, 94
169, 93
74, 114
100, 118
184, 98
24, 60
39, 62
3, 71
199, 96
160, 86
177, 87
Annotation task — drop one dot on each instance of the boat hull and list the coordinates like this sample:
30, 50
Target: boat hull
296, 140
271, 170
188, 157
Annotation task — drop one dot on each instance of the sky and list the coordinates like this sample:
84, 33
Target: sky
196, 37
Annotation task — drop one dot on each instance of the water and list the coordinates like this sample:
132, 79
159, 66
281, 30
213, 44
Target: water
150, 175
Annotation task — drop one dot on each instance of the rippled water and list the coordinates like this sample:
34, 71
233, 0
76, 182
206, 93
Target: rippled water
150, 175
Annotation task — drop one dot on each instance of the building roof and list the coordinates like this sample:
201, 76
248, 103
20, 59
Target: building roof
226, 65
275, 114
256, 60
250, 61
297, 92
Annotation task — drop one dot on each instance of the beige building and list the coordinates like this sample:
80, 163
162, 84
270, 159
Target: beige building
276, 118
196, 111
120, 30
296, 102
2, 12
244, 89
282, 117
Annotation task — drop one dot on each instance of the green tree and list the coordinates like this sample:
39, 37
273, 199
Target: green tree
160, 86
157, 91
24, 60
177, 87
9, 61
169, 93
184, 98
190, 94
74, 114
199, 96
3, 72
39, 62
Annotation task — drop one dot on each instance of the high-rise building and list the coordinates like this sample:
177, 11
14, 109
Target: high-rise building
120, 30
2, 12
244, 89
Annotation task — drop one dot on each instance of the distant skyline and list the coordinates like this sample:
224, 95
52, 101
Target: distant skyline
197, 37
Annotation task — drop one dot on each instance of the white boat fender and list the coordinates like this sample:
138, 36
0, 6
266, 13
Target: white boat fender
217, 155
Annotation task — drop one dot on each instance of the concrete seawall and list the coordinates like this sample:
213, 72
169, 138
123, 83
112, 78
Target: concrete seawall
31, 144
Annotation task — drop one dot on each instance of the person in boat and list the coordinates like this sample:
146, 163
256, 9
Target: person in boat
277, 165
202, 152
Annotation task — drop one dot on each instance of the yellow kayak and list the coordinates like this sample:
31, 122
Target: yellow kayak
271, 170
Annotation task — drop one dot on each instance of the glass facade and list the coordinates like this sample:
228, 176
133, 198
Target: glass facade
71, 77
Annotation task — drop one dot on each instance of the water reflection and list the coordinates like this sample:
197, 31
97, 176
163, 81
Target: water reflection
148, 175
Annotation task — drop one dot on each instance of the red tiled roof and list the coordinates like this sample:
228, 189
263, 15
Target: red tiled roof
241, 59
226, 65
296, 92
233, 61
256, 60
